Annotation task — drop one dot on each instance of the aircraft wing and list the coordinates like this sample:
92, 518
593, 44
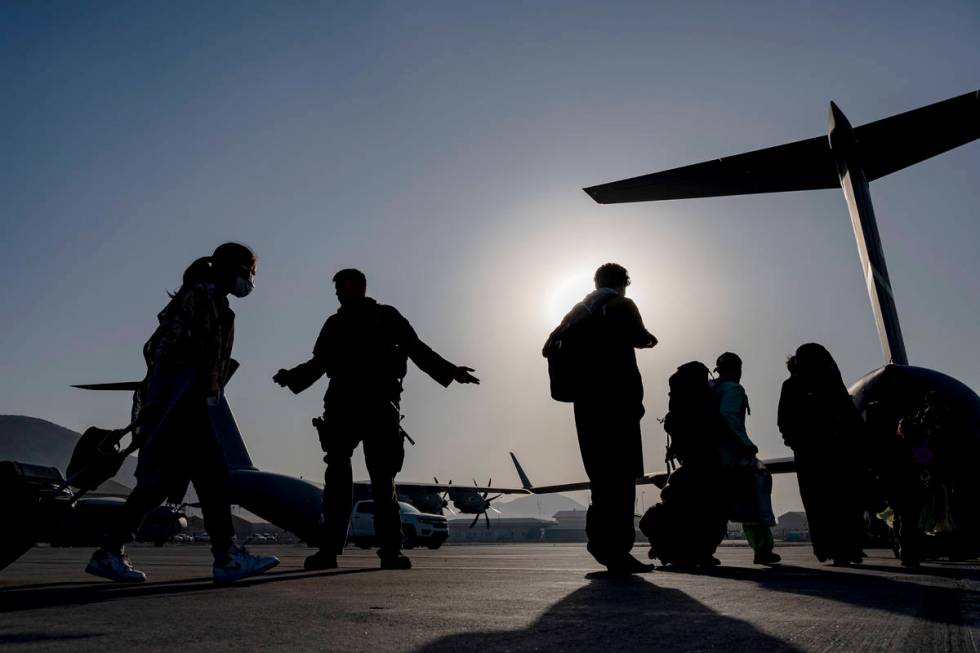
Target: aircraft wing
885, 146
774, 465
432, 488
802, 165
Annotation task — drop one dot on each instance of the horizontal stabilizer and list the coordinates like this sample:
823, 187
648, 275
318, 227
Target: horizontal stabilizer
129, 386
890, 144
884, 146
803, 165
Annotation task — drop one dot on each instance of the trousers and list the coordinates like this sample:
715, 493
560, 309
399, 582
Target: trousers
612, 453
185, 449
375, 424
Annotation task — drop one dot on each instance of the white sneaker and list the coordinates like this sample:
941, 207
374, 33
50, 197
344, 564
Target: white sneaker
241, 564
115, 567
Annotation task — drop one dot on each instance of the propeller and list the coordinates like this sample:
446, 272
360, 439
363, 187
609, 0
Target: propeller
445, 497
486, 504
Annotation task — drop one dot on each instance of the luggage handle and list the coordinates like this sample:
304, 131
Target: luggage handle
121, 433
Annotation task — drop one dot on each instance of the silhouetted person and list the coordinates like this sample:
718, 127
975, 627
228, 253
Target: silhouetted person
819, 422
188, 360
364, 349
737, 450
608, 407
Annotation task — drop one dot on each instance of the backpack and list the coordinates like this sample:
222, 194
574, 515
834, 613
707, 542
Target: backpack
688, 523
570, 350
691, 415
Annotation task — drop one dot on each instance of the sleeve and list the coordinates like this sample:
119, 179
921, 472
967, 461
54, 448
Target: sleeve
182, 321
633, 324
733, 399
306, 374
786, 413
437, 367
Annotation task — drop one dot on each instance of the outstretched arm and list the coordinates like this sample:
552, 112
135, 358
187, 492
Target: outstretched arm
306, 374
427, 360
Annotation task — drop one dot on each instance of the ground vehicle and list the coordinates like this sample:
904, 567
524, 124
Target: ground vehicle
418, 528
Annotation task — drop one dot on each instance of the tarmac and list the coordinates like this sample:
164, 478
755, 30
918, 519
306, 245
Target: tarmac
511, 597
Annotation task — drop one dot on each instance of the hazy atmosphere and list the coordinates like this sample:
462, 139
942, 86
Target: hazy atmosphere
441, 148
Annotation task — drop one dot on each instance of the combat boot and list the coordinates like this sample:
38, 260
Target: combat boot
396, 561
320, 560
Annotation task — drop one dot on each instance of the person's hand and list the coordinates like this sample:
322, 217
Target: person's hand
282, 378
649, 344
462, 375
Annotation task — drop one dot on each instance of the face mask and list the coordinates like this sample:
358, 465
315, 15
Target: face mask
243, 286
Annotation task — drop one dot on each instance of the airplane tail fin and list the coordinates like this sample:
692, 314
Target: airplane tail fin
525, 481
222, 421
229, 436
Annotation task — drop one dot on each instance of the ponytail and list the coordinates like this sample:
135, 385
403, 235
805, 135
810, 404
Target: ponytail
199, 271
228, 256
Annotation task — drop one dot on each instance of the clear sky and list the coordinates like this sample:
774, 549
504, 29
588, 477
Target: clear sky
441, 148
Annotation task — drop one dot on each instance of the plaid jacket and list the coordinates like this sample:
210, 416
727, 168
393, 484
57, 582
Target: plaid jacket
197, 331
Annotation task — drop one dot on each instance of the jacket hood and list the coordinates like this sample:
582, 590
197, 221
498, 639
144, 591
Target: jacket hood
598, 297
355, 306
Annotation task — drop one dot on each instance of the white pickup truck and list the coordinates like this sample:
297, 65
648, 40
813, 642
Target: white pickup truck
418, 528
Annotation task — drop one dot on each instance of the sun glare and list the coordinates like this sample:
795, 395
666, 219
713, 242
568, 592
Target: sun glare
572, 289
566, 294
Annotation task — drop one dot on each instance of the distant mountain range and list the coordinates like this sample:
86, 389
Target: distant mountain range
543, 506
40, 442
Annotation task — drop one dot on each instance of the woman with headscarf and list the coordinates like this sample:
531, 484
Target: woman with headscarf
188, 361
819, 422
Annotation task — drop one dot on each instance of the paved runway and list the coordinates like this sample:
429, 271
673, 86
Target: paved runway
489, 597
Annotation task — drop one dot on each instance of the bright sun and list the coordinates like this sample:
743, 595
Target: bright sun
569, 291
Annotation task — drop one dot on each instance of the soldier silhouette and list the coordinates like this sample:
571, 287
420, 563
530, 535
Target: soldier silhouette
364, 349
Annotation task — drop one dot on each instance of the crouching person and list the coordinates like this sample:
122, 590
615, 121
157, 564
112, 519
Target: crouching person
188, 361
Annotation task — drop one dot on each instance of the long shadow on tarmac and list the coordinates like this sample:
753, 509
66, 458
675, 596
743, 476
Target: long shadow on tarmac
622, 614
636, 614
46, 595
939, 604
36, 637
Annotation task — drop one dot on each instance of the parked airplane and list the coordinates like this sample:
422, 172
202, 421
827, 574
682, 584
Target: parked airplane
290, 503
851, 158
295, 504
